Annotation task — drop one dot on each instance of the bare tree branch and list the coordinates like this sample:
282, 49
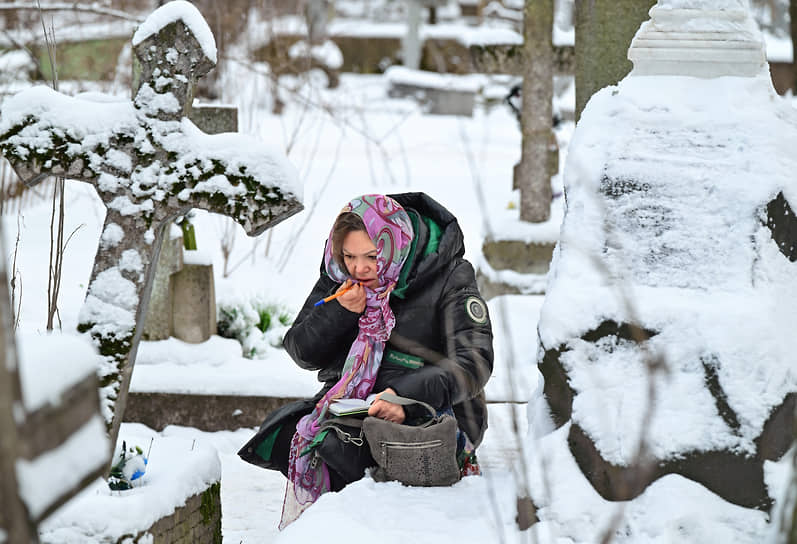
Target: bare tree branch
70, 6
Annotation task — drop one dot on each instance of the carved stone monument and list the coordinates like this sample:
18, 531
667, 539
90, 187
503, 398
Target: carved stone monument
149, 164
666, 339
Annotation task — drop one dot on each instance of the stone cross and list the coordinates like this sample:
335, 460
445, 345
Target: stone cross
148, 164
31, 438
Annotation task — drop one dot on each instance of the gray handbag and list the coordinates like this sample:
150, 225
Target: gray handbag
423, 455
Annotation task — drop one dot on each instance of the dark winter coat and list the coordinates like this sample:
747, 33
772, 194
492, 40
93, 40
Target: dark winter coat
440, 350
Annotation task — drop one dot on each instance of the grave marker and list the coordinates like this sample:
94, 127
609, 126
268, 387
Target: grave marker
38, 435
680, 233
149, 164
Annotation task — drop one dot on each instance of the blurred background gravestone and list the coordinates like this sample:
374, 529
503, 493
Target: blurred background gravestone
665, 338
513, 264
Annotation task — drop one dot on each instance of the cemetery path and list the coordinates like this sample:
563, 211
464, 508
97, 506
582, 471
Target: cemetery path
252, 497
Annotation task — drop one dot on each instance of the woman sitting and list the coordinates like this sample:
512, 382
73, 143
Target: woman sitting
408, 320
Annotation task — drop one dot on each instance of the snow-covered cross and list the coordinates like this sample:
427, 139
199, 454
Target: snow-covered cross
149, 164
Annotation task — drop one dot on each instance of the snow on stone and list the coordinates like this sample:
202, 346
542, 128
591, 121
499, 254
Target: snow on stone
79, 117
432, 80
111, 236
196, 256
778, 49
151, 102
327, 53
489, 36
42, 480
177, 469
671, 509
526, 284
239, 152
220, 184
172, 12
718, 279
93, 124
131, 261
702, 16
43, 375
704, 4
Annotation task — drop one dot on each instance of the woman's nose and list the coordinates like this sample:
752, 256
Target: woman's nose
361, 265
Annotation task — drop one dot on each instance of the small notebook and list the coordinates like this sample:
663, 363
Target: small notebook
350, 407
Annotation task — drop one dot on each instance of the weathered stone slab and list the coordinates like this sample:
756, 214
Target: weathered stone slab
193, 298
158, 324
205, 412
522, 257
215, 118
441, 94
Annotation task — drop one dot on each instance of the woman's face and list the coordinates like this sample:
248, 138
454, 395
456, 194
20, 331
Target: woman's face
359, 256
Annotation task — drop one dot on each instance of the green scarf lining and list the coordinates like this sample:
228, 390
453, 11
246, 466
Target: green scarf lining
431, 246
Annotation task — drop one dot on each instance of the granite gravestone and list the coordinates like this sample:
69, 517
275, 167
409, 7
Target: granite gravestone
665, 338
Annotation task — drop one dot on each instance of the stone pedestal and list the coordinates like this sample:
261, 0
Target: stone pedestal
513, 267
707, 49
441, 94
215, 118
193, 303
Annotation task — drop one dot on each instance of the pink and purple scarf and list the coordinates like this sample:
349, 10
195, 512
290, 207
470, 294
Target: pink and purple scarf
391, 231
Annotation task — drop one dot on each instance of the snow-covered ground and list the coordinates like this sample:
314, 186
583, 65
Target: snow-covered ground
346, 142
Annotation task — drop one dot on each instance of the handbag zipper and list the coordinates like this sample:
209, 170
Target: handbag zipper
412, 445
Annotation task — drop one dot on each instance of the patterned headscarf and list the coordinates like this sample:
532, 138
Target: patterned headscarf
390, 229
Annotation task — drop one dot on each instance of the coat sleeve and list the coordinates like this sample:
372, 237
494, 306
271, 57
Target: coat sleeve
318, 332
462, 370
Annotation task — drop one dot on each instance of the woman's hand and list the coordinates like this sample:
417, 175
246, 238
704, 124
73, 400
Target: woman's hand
354, 299
387, 410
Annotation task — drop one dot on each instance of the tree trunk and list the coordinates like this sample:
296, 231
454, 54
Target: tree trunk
534, 179
604, 30
793, 26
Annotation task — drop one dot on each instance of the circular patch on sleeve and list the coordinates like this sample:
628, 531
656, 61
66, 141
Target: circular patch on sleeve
476, 310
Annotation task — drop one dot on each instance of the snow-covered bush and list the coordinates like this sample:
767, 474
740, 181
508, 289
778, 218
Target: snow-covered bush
255, 322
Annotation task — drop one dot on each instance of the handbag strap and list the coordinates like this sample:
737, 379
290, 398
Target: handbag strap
389, 397
405, 401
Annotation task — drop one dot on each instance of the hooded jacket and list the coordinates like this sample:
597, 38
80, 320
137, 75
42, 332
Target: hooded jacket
440, 350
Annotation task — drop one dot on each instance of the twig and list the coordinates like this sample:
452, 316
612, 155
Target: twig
286, 254
522, 472
14, 274
70, 6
